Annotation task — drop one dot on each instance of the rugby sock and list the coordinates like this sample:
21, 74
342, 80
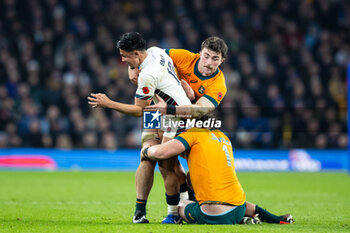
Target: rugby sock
141, 206
183, 192
267, 216
172, 202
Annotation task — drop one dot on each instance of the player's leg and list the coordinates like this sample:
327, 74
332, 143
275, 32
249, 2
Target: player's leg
181, 176
182, 206
172, 188
192, 212
144, 179
190, 191
171, 184
252, 210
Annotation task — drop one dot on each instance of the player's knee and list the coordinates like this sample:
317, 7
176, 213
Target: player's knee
149, 142
166, 167
150, 164
163, 170
168, 175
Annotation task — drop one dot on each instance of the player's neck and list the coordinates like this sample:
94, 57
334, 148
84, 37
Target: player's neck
143, 56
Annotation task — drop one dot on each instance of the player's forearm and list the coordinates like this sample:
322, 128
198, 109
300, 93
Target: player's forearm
152, 153
164, 151
129, 109
192, 111
158, 152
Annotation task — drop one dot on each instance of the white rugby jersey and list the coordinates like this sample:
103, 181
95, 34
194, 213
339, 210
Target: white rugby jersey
158, 76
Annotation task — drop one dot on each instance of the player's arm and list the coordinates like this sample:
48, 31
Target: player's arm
202, 107
163, 151
102, 100
197, 110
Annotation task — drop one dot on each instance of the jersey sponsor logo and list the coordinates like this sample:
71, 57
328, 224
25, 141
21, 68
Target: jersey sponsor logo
201, 89
193, 81
145, 90
219, 96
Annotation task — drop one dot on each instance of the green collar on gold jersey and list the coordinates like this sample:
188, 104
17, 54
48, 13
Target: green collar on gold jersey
200, 76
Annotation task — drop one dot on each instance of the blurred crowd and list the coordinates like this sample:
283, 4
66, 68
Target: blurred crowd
285, 73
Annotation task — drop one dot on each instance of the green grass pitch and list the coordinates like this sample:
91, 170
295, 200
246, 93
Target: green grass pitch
105, 201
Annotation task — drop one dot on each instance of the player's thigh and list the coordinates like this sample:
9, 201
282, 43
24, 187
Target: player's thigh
167, 165
150, 138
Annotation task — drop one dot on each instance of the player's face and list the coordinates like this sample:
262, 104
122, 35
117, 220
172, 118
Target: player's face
130, 58
209, 61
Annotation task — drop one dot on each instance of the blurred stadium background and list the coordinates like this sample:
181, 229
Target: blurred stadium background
285, 74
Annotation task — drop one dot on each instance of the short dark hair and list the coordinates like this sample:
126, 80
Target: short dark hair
216, 44
131, 41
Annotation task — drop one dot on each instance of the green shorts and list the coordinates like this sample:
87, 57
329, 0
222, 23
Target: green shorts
194, 214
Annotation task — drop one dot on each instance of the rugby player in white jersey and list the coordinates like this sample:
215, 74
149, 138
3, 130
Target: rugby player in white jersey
157, 76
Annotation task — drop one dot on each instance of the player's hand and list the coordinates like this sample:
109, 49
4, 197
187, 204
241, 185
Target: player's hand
133, 75
188, 90
98, 100
161, 106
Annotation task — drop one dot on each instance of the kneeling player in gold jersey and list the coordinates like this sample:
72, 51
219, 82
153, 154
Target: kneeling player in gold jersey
220, 196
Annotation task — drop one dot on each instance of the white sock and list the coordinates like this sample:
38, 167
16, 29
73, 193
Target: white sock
172, 209
184, 196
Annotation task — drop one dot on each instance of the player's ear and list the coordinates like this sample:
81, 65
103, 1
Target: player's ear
222, 61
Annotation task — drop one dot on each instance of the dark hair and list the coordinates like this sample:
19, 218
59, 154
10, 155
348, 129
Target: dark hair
131, 41
216, 44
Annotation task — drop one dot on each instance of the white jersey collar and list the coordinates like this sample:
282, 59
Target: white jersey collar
144, 63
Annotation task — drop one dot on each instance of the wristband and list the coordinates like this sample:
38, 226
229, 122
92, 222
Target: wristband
145, 153
171, 109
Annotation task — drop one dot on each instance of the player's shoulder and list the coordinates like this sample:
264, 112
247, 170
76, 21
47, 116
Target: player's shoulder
221, 135
154, 49
152, 62
197, 130
218, 75
148, 73
181, 53
219, 79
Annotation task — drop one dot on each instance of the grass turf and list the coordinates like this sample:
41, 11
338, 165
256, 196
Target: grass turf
105, 202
